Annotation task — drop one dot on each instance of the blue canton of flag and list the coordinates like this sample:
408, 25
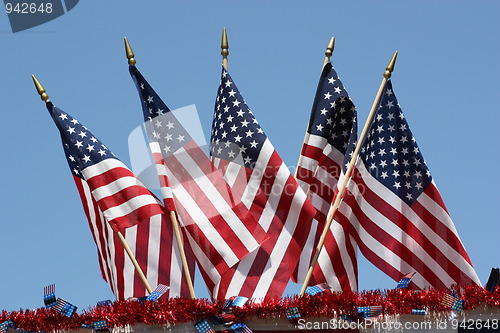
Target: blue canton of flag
104, 303
236, 135
6, 325
313, 290
396, 162
240, 328
204, 326
457, 305
239, 301
99, 326
405, 281
418, 312
292, 313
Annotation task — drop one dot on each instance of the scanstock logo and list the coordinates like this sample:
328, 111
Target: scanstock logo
31, 13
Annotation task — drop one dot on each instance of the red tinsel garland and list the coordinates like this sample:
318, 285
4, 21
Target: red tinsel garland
173, 311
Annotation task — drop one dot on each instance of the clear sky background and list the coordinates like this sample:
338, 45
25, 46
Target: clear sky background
446, 80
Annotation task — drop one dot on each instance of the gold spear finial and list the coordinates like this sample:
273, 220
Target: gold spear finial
129, 52
390, 67
224, 48
40, 89
329, 50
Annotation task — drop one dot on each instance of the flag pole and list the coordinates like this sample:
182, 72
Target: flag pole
173, 216
224, 48
334, 207
328, 53
45, 98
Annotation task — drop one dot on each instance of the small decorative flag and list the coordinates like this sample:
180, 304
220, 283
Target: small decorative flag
223, 319
418, 312
6, 325
370, 311
105, 303
313, 290
65, 308
99, 326
452, 302
240, 328
157, 293
240, 301
204, 326
292, 313
49, 296
228, 303
405, 281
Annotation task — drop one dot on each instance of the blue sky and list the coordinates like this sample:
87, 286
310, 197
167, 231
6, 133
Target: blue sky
446, 80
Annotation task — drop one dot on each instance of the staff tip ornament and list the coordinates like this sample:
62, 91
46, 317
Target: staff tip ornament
330, 48
40, 89
129, 52
224, 48
390, 68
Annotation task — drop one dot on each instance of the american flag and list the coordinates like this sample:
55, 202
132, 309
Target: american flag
203, 326
49, 296
370, 311
240, 328
106, 185
157, 293
65, 307
220, 230
405, 281
452, 302
328, 145
398, 217
263, 183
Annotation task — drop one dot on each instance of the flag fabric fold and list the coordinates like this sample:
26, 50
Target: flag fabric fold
394, 208
115, 200
328, 145
260, 180
219, 229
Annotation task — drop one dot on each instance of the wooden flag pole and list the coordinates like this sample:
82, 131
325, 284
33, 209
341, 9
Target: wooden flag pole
224, 48
173, 215
328, 54
45, 98
350, 167
177, 231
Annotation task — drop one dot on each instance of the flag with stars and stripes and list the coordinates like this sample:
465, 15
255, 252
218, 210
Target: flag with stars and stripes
396, 212
219, 229
328, 145
114, 199
262, 182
